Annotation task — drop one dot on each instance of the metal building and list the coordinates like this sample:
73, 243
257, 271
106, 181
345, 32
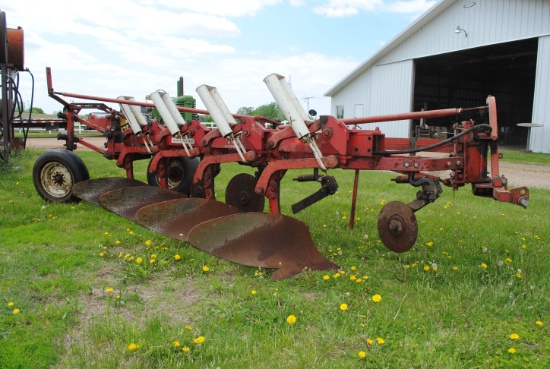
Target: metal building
455, 55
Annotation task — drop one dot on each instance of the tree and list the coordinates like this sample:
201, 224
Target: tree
271, 111
35, 109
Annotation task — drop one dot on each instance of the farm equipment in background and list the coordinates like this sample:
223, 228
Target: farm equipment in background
185, 158
12, 61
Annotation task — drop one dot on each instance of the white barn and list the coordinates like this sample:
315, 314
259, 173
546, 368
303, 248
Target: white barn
454, 55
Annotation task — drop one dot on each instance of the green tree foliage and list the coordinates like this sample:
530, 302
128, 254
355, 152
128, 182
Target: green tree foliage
270, 110
35, 109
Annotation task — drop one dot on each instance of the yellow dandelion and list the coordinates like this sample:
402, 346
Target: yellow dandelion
148, 242
484, 266
120, 255
176, 344
455, 268
205, 269
336, 275
344, 217
514, 336
153, 256
426, 268
362, 354
380, 341
370, 341
507, 260
16, 311
118, 297
365, 277
518, 275
539, 323
382, 202
109, 290
11, 303
117, 242
139, 260
344, 307
199, 340
326, 277
152, 261
358, 280
376, 298
291, 319
352, 277
132, 346
353, 267
512, 350
324, 226
101, 254
177, 257
185, 349
106, 233
253, 292
430, 244
188, 327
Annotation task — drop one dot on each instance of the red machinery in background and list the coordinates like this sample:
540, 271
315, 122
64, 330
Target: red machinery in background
186, 156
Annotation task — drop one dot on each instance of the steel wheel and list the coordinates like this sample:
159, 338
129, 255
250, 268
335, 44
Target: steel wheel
180, 173
55, 172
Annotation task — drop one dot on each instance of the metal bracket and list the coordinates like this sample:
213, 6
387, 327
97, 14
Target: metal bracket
328, 187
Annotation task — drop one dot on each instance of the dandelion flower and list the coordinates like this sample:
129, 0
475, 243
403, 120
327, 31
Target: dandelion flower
344, 307
518, 274
507, 260
11, 303
514, 336
199, 340
324, 226
370, 341
484, 266
176, 344
362, 354
352, 277
380, 341
291, 319
455, 268
148, 242
153, 256
185, 349
109, 290
358, 280
15, 311
430, 244
101, 254
376, 298
177, 257
539, 323
205, 269
326, 277
152, 261
117, 242
512, 350
188, 327
426, 268
337, 275
253, 292
139, 260
133, 347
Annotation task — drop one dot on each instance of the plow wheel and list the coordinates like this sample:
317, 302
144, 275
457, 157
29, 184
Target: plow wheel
55, 173
241, 195
397, 226
180, 173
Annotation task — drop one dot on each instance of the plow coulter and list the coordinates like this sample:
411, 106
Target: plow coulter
185, 157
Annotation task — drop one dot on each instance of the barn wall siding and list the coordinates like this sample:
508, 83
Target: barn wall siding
540, 137
486, 23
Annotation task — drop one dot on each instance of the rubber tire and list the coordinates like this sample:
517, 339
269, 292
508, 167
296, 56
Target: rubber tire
70, 170
186, 165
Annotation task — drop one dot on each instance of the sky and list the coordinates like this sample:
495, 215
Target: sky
134, 47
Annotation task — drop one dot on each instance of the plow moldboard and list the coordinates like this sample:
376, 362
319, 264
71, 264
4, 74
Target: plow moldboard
176, 218
127, 201
261, 240
92, 189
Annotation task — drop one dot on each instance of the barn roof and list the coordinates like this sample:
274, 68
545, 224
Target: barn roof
424, 19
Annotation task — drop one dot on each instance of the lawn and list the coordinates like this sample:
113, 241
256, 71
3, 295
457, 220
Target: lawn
83, 288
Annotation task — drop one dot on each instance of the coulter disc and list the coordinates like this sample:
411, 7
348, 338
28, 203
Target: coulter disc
176, 218
92, 189
397, 226
261, 240
240, 194
127, 201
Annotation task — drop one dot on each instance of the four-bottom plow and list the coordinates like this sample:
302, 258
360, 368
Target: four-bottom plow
185, 156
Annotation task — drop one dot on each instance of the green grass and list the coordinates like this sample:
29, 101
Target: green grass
58, 263
522, 157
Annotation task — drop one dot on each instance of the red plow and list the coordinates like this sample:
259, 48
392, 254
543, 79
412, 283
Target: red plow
185, 156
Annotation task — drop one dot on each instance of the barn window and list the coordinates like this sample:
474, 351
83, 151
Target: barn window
339, 111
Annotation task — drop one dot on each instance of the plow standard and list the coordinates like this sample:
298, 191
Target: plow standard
185, 156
